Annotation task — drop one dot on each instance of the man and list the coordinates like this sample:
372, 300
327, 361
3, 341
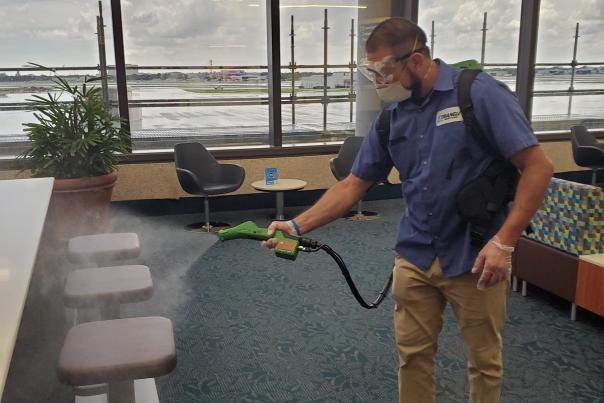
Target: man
435, 261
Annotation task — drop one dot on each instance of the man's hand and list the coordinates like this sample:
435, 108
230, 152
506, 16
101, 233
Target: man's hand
495, 263
333, 204
284, 226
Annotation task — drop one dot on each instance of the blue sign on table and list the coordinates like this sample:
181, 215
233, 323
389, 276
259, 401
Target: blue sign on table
270, 176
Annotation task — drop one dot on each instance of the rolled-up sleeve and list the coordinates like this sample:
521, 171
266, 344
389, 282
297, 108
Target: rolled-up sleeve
501, 117
373, 162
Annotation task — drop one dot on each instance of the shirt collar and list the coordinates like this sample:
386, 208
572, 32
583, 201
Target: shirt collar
445, 77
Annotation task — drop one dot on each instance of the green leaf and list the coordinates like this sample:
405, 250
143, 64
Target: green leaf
75, 138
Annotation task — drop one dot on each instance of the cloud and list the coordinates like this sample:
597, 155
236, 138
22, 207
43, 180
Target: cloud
187, 25
21, 8
180, 31
459, 24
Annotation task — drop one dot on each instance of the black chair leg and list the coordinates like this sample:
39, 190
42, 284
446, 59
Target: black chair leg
207, 226
361, 215
594, 174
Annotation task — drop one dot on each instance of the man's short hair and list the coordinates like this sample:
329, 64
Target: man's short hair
397, 33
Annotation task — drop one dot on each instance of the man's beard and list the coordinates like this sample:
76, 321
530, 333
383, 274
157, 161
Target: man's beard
416, 87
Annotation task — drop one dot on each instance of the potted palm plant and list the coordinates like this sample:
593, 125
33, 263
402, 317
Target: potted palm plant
76, 140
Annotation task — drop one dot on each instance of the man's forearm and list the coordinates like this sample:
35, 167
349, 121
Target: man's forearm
529, 196
336, 202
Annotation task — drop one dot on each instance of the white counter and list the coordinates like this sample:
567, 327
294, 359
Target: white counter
23, 206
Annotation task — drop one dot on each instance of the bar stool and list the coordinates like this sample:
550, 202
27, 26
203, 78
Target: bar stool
117, 352
100, 248
107, 288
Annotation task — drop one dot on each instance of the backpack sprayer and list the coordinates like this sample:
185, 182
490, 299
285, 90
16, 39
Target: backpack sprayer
288, 247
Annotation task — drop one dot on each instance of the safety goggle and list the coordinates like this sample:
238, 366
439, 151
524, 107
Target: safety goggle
382, 71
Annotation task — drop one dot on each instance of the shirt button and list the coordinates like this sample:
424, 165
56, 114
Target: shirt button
421, 136
425, 188
436, 237
425, 162
430, 214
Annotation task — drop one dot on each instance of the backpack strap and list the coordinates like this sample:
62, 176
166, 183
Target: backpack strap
500, 178
383, 128
464, 98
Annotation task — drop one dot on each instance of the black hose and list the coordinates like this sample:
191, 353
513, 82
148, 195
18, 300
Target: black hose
353, 288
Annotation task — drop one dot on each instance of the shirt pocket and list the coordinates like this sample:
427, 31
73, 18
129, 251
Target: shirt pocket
457, 147
403, 151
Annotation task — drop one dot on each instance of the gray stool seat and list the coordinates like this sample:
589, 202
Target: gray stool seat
86, 288
117, 351
103, 247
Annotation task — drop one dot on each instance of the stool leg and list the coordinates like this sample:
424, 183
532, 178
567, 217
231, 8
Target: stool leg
121, 392
514, 283
91, 390
110, 311
573, 312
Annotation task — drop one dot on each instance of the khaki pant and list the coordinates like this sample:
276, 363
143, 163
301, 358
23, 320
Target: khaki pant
420, 299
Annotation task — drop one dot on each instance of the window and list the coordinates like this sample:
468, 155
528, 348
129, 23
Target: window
196, 71
555, 106
59, 33
320, 87
459, 28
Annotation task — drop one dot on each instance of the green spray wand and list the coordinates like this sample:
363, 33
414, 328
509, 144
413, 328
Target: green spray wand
288, 247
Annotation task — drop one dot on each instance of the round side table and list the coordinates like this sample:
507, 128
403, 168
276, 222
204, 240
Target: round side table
280, 186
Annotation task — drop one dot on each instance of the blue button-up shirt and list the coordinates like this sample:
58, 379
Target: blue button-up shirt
435, 156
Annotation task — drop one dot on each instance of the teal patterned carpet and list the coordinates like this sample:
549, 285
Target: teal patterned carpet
254, 328
251, 327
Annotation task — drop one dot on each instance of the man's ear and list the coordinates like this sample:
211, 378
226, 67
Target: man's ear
416, 60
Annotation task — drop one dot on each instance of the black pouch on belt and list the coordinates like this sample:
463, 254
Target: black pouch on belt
481, 199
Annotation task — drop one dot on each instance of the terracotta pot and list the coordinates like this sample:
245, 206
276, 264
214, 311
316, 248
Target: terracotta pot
80, 206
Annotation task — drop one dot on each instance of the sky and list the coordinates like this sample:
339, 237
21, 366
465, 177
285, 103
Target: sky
233, 32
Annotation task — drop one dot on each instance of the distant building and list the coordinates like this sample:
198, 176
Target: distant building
175, 75
557, 71
339, 79
226, 75
254, 77
130, 69
586, 70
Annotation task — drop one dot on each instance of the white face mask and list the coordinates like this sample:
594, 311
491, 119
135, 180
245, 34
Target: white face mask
393, 92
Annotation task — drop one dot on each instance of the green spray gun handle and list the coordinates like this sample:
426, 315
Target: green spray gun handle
287, 245
468, 64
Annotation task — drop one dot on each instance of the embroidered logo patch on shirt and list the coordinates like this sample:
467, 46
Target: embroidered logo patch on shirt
448, 115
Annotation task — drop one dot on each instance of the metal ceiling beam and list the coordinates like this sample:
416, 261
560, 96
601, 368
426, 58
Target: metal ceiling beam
404, 8
120, 63
527, 54
273, 47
